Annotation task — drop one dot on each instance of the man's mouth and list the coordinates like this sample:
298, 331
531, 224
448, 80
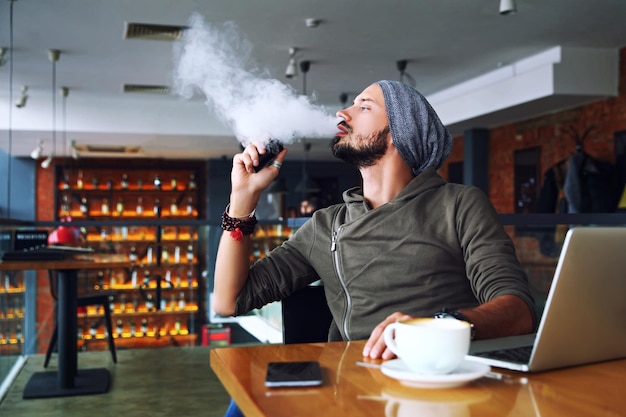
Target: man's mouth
344, 128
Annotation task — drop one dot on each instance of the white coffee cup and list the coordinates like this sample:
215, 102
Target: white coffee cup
429, 346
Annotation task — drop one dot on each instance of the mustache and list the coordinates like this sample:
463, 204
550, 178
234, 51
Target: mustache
346, 125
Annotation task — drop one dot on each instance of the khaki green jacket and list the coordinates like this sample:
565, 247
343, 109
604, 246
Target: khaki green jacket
436, 245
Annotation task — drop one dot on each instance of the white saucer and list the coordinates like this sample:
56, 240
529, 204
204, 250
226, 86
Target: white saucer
468, 371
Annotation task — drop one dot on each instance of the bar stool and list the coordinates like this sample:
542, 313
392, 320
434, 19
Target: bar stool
84, 300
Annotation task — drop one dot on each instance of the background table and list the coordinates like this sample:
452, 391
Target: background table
353, 390
68, 380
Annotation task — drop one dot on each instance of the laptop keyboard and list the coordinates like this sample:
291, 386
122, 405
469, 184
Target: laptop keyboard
518, 354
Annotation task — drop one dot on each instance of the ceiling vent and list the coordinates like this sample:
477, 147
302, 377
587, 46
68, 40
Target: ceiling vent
147, 89
153, 32
102, 151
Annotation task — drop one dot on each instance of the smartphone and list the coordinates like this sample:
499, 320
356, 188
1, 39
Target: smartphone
293, 374
272, 149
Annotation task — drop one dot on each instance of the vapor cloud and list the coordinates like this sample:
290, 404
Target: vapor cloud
219, 63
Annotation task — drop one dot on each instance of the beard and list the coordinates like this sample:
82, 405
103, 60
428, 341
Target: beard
366, 152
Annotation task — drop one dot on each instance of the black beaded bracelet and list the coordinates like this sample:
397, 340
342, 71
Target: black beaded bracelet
238, 228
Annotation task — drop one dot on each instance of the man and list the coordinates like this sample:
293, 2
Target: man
404, 244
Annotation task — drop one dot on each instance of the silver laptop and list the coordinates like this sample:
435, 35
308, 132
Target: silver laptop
584, 320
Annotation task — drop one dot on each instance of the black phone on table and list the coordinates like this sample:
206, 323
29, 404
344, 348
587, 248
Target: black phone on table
293, 374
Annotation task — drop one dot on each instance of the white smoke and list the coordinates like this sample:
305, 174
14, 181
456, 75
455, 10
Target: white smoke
256, 107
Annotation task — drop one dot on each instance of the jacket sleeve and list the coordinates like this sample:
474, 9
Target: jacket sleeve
491, 263
280, 273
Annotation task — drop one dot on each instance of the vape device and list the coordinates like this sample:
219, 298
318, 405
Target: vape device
272, 149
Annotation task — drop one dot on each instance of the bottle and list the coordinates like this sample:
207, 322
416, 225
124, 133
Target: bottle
132, 256
146, 278
133, 278
100, 281
93, 330
181, 301
149, 254
165, 255
84, 206
133, 329
174, 183
119, 208
111, 302
190, 253
189, 206
144, 326
177, 254
65, 185
109, 185
95, 182
173, 302
139, 209
124, 183
173, 207
149, 302
157, 207
122, 302
168, 277
105, 206
18, 333
79, 180
119, 328
189, 278
65, 206
192, 182
157, 182
177, 326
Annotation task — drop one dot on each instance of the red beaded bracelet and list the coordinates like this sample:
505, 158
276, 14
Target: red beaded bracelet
238, 227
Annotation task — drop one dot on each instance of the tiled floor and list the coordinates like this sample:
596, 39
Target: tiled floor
166, 382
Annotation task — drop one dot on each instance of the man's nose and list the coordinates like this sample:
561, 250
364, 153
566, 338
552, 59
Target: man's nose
343, 113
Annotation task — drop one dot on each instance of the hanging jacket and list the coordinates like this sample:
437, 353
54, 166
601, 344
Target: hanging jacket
434, 245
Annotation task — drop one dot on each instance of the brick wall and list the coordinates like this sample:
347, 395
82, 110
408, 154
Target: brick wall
552, 134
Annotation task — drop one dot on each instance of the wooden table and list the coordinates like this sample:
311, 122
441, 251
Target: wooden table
353, 390
68, 380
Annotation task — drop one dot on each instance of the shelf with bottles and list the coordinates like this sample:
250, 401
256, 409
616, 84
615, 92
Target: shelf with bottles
131, 206
132, 180
111, 192
11, 313
266, 237
171, 237
136, 328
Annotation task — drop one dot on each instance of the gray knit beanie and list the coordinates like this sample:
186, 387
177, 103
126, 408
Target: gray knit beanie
416, 131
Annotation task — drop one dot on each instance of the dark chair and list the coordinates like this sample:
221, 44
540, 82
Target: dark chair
84, 300
306, 317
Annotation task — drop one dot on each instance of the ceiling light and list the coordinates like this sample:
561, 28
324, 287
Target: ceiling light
343, 99
36, 153
292, 68
46, 163
401, 65
312, 23
3, 52
507, 7
21, 102
74, 150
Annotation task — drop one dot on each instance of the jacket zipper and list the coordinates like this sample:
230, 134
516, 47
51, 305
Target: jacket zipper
333, 249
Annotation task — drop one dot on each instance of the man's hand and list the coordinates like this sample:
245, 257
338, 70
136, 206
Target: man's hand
375, 347
247, 184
